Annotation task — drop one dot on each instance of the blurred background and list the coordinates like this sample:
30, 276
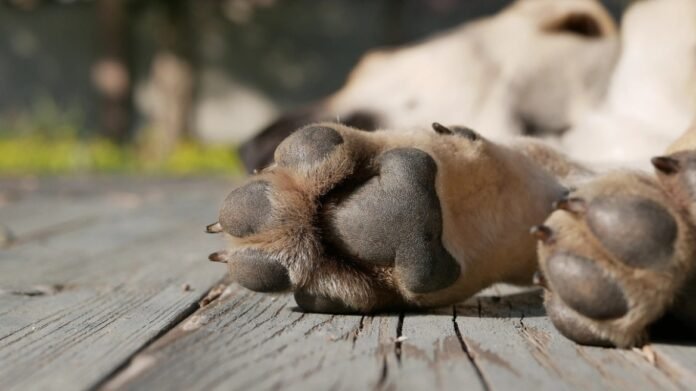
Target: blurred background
171, 86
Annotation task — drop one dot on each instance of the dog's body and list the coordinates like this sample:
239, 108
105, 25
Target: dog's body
535, 68
651, 98
551, 69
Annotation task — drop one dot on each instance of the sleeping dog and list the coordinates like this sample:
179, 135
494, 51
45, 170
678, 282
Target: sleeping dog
424, 216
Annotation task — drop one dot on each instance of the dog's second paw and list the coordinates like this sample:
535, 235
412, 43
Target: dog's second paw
613, 257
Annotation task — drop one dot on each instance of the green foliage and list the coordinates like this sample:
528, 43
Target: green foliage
48, 139
20, 155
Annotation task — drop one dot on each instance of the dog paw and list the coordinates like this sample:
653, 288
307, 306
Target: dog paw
613, 258
354, 221
344, 209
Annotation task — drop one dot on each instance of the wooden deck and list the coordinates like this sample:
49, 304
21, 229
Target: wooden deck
104, 284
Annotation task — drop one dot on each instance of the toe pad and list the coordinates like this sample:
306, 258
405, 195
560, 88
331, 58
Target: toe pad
309, 146
246, 209
567, 323
639, 232
321, 304
582, 285
254, 270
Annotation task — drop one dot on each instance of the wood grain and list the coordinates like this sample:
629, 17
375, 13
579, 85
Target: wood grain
514, 343
78, 303
251, 341
101, 291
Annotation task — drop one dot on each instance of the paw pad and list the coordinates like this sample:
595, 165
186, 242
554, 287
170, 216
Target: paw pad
638, 231
612, 258
569, 325
395, 219
307, 146
321, 303
257, 271
585, 288
246, 209
341, 219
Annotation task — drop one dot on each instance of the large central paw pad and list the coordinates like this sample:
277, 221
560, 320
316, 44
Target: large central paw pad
343, 219
394, 219
612, 257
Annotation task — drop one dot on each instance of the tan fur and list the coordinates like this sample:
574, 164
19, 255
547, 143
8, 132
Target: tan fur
685, 142
482, 187
649, 292
651, 96
675, 185
488, 193
559, 165
476, 75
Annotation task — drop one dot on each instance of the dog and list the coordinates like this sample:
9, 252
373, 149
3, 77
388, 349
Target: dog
359, 221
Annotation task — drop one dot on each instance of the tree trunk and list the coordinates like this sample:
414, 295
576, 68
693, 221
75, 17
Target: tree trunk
110, 74
171, 82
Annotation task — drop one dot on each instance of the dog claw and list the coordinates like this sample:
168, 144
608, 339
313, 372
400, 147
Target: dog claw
441, 129
219, 256
458, 130
665, 164
214, 228
541, 232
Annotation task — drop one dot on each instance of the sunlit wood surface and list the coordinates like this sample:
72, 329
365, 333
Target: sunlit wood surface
104, 284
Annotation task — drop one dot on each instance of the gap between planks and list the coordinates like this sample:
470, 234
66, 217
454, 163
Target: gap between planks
391, 360
206, 298
395, 359
465, 347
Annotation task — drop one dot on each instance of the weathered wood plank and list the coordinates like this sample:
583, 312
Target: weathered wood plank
677, 361
251, 341
431, 355
39, 217
90, 330
56, 206
515, 345
69, 255
77, 305
33, 214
